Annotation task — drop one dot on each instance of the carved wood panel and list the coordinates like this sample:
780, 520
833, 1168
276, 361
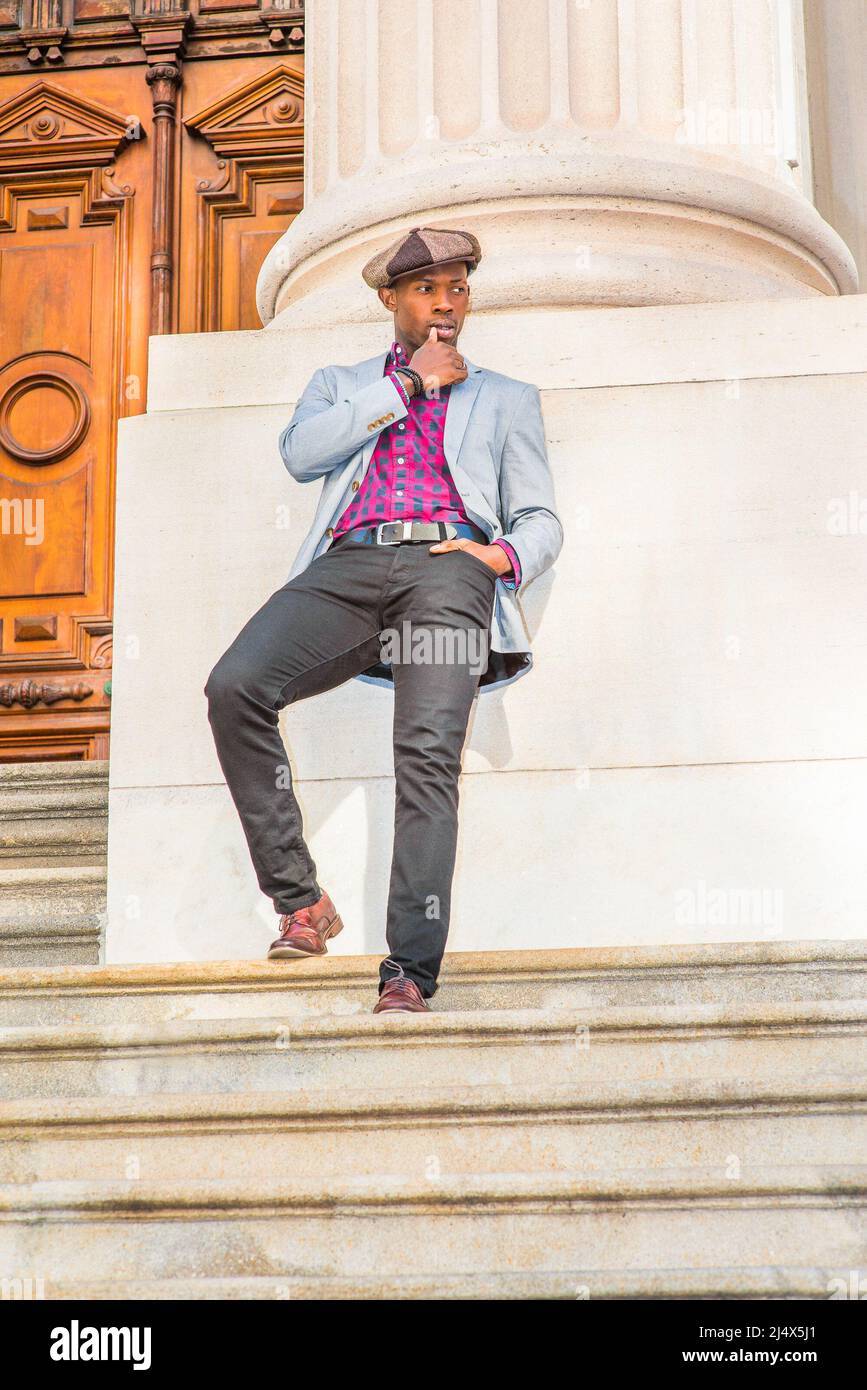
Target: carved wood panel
245, 152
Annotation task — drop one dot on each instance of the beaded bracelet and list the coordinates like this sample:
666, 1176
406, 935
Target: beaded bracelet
415, 377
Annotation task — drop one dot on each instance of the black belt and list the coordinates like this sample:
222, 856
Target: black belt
398, 532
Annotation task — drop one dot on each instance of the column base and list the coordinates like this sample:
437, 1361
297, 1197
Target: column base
564, 228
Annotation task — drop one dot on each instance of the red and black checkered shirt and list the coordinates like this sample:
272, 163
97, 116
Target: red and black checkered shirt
408, 474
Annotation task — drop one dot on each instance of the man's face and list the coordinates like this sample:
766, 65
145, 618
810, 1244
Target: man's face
423, 298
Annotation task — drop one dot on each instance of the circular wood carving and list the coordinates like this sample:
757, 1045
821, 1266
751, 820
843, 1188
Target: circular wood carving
43, 382
45, 126
285, 109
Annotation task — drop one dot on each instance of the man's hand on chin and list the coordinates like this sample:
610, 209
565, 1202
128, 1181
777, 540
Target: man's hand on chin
492, 555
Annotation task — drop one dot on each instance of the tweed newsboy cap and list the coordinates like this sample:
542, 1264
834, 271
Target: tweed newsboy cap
418, 249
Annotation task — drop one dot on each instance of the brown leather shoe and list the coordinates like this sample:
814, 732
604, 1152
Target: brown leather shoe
305, 931
402, 994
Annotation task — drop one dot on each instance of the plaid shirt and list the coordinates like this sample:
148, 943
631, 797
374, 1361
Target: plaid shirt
408, 474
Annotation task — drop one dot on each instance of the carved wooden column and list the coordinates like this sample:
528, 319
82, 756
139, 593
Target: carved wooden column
163, 80
162, 37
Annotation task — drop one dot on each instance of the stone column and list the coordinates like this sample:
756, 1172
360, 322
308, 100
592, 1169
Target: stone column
605, 152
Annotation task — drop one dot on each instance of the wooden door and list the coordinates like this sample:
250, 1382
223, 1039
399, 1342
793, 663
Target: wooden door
142, 182
64, 285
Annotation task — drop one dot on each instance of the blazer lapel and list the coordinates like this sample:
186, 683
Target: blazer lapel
461, 400
366, 373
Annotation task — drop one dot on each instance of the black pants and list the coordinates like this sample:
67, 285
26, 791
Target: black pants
323, 627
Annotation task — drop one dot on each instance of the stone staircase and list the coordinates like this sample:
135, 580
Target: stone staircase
53, 827
674, 1122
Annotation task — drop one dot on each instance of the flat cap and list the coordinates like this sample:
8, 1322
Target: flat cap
418, 249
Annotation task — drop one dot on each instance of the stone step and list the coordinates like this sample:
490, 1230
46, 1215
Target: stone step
504, 1224
51, 915
55, 810
585, 1048
766, 1283
583, 977
709, 1126
53, 832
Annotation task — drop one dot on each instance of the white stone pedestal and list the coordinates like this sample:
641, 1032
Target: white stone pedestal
688, 760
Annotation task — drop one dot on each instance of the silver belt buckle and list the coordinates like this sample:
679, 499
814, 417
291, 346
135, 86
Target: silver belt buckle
407, 532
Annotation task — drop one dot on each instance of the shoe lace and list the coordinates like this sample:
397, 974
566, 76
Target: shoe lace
402, 984
299, 918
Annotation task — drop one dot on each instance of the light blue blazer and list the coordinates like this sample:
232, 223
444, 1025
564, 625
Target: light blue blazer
494, 443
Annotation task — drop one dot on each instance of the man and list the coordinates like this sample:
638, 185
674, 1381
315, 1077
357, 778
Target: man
437, 508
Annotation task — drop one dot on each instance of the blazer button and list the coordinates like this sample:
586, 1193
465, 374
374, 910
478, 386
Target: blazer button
356, 485
330, 531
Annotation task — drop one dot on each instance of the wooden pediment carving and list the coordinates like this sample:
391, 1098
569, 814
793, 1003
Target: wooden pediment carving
46, 126
265, 116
